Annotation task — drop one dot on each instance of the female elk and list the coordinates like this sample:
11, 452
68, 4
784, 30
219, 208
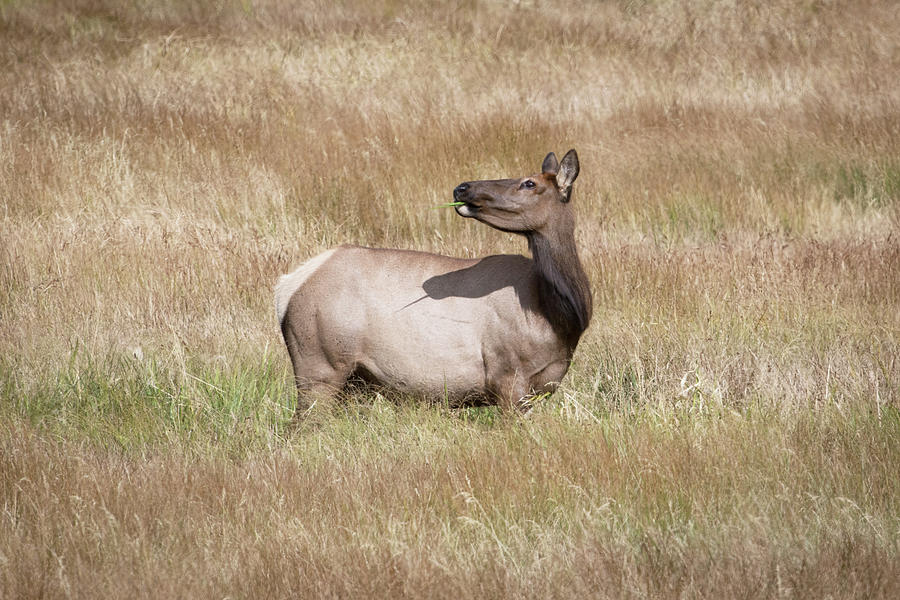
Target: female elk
495, 330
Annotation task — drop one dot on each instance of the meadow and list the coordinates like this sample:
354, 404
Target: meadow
730, 425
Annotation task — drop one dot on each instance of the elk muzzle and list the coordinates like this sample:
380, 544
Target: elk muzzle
463, 193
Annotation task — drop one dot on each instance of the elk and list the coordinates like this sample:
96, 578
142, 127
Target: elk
495, 330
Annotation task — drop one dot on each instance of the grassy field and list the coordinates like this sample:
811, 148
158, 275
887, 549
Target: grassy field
730, 426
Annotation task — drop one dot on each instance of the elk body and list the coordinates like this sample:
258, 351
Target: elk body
493, 330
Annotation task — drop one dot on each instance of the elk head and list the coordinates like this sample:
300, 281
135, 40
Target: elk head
524, 205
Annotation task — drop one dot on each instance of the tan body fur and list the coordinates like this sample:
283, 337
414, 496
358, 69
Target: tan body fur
435, 326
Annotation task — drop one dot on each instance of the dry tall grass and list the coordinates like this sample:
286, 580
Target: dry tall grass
730, 426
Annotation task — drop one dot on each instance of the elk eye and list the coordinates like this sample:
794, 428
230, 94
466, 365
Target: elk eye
528, 183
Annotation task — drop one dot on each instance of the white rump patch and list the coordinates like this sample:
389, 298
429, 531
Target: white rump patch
290, 283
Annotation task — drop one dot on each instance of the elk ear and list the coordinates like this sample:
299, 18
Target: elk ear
568, 171
551, 165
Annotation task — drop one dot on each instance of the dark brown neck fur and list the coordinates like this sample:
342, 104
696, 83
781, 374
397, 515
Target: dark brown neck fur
565, 292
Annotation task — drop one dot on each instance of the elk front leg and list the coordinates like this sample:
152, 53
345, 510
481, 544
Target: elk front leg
518, 392
514, 394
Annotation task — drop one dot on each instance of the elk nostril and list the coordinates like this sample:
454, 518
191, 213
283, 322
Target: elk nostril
461, 189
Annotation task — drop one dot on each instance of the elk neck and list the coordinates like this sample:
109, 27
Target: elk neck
563, 286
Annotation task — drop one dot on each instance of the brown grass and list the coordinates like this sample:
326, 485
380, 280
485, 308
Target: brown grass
546, 509
729, 427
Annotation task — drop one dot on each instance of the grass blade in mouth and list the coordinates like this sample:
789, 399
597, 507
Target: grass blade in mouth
449, 205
